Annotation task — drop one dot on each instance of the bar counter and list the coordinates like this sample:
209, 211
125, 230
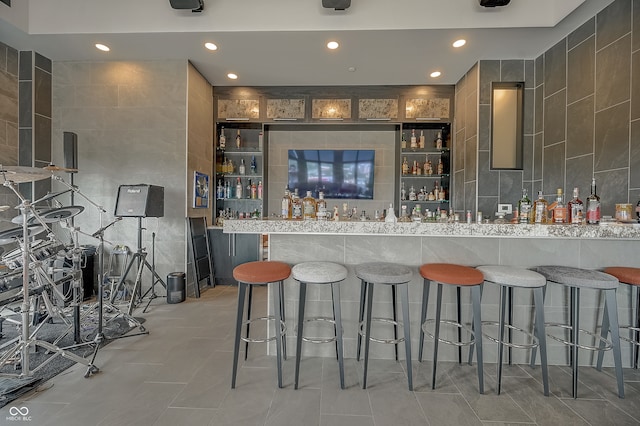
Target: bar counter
412, 244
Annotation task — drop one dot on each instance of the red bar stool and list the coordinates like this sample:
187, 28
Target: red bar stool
260, 273
458, 276
630, 277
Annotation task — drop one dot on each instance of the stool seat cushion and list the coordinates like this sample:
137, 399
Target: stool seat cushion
261, 272
319, 272
625, 274
512, 276
384, 273
577, 277
450, 273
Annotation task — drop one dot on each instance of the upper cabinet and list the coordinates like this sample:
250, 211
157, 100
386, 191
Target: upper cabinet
378, 109
331, 109
238, 109
286, 109
427, 109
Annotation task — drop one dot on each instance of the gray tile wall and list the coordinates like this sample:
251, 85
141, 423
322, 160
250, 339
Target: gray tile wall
131, 122
8, 122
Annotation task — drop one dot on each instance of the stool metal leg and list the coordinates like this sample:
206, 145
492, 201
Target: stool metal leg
604, 333
282, 316
436, 338
367, 340
404, 295
279, 347
534, 350
395, 319
249, 304
363, 294
636, 323
302, 302
477, 322
335, 292
236, 344
459, 318
510, 331
538, 296
503, 301
575, 298
611, 306
423, 315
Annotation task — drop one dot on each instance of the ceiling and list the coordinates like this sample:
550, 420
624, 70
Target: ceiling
283, 42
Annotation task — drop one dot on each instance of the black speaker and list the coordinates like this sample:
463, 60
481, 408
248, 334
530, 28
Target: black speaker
70, 150
140, 201
336, 4
494, 3
196, 5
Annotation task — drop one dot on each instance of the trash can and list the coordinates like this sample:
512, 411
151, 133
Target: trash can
176, 292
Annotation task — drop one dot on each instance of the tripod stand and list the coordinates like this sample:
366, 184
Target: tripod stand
154, 280
140, 256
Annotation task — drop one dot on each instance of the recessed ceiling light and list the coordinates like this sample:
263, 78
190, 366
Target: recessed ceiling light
435, 74
459, 43
102, 47
232, 76
351, 69
211, 46
333, 45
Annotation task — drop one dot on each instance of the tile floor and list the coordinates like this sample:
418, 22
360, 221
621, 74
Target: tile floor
180, 375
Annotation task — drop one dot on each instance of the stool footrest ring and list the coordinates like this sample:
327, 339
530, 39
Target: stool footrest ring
533, 344
449, 322
607, 344
319, 339
626, 339
283, 330
375, 339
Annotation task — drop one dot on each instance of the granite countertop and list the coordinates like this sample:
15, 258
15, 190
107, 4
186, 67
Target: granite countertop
275, 226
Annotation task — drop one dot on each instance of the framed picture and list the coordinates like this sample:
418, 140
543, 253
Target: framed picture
200, 190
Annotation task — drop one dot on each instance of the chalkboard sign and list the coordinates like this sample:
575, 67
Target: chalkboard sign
200, 249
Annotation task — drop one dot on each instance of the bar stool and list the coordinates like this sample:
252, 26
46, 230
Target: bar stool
577, 279
394, 275
630, 277
508, 278
260, 273
459, 276
320, 273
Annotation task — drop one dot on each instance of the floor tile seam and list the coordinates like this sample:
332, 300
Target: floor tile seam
520, 407
562, 401
424, 413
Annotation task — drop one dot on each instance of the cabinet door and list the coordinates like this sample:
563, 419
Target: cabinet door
239, 109
377, 109
220, 248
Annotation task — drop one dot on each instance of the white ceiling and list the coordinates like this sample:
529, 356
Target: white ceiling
282, 42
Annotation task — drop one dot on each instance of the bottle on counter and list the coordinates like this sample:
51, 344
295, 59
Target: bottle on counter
238, 139
593, 205
575, 209
296, 205
524, 207
404, 215
638, 211
239, 189
222, 140
242, 168
539, 211
309, 207
286, 204
321, 207
390, 216
559, 209
416, 214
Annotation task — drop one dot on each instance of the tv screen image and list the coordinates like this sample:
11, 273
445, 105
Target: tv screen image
337, 173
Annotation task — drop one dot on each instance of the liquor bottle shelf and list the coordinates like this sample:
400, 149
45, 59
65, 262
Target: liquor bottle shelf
425, 201
409, 151
227, 151
425, 176
235, 175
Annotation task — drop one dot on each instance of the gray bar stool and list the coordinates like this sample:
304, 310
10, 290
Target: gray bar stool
508, 278
389, 274
577, 279
459, 276
320, 273
260, 273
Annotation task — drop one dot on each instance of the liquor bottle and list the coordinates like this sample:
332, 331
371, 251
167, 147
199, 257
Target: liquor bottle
321, 207
439, 140
254, 191
422, 139
638, 211
260, 190
254, 165
247, 192
524, 207
296, 206
426, 165
403, 193
416, 214
238, 139
404, 215
390, 217
413, 140
405, 166
559, 210
440, 167
412, 194
309, 207
286, 204
429, 168
539, 212
222, 140
593, 205
242, 169
227, 190
575, 208
414, 168
219, 190
239, 189
403, 143
260, 140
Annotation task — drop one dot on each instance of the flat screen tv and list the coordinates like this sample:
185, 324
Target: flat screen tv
336, 172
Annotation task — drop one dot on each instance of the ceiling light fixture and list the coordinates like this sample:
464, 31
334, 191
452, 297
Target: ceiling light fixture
232, 76
193, 5
459, 43
211, 46
102, 47
435, 74
333, 45
336, 4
